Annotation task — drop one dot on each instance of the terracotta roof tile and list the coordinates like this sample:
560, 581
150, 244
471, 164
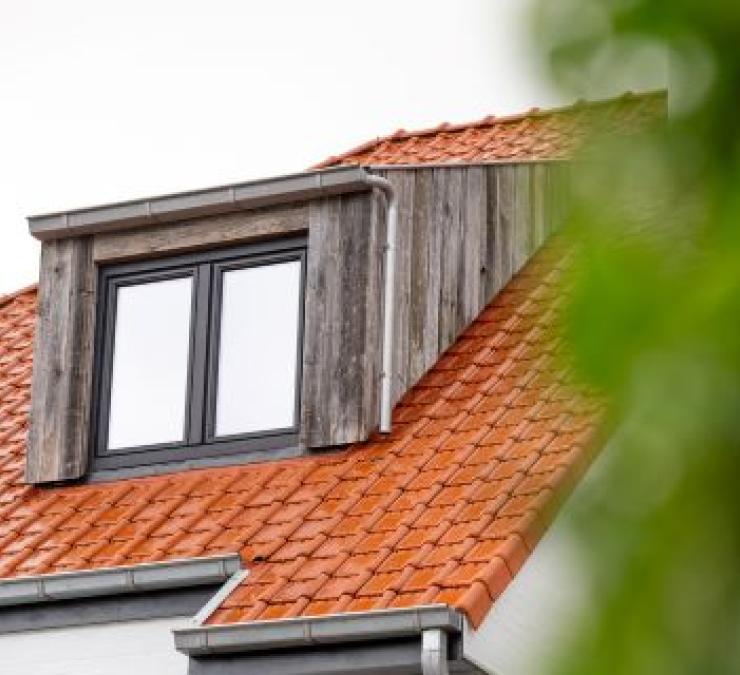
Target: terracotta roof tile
534, 135
446, 510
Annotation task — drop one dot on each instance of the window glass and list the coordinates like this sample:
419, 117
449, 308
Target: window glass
257, 362
150, 363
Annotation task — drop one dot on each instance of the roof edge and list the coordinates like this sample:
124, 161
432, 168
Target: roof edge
9, 297
306, 631
490, 120
209, 201
140, 578
463, 164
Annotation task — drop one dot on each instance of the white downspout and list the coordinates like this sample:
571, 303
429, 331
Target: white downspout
386, 376
434, 652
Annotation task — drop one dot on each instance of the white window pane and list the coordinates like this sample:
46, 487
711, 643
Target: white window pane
150, 363
257, 354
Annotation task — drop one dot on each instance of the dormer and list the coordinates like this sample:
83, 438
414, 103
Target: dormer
245, 322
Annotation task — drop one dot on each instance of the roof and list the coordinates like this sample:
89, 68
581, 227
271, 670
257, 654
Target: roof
444, 510
534, 135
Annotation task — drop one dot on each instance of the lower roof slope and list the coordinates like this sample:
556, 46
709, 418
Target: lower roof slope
445, 510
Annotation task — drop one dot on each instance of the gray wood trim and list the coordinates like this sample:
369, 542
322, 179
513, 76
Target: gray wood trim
199, 233
62, 365
341, 347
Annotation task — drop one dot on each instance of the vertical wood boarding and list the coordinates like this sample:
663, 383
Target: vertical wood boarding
463, 233
342, 273
62, 365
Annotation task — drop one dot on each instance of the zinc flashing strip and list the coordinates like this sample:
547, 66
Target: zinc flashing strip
224, 592
321, 630
209, 201
118, 580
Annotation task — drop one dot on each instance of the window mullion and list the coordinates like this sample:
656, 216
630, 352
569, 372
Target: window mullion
199, 354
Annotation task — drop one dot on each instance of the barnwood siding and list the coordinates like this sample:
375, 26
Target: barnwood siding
341, 338
463, 232
62, 364
199, 233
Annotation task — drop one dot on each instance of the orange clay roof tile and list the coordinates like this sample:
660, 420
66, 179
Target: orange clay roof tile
444, 510
534, 135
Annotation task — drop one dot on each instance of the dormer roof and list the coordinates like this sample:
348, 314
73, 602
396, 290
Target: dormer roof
534, 135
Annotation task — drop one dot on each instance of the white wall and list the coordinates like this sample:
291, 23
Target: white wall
123, 648
530, 621
537, 614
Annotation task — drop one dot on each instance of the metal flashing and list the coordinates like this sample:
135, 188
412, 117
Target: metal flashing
217, 599
321, 630
381, 657
209, 201
141, 578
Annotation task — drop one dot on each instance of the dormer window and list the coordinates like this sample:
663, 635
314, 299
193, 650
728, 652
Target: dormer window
233, 324
199, 355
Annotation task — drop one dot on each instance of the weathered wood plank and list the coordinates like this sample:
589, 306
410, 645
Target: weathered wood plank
523, 227
371, 357
505, 223
558, 195
448, 187
424, 261
199, 233
355, 214
540, 179
492, 235
474, 241
335, 410
321, 270
61, 399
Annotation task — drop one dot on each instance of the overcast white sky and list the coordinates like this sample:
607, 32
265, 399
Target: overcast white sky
103, 101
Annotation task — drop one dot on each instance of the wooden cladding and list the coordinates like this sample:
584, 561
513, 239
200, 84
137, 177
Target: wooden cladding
341, 347
62, 363
463, 233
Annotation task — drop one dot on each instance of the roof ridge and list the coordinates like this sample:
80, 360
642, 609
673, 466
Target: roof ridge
490, 121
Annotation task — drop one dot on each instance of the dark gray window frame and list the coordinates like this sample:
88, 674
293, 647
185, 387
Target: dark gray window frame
206, 269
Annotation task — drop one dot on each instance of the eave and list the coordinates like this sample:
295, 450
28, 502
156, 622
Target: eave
210, 201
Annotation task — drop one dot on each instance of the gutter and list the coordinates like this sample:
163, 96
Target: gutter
142, 578
210, 201
321, 630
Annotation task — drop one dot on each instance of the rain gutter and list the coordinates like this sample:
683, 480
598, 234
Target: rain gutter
143, 578
320, 630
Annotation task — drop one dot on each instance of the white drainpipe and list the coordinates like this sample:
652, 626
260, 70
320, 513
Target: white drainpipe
386, 376
434, 652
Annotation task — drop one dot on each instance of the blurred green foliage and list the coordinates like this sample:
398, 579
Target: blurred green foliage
654, 323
